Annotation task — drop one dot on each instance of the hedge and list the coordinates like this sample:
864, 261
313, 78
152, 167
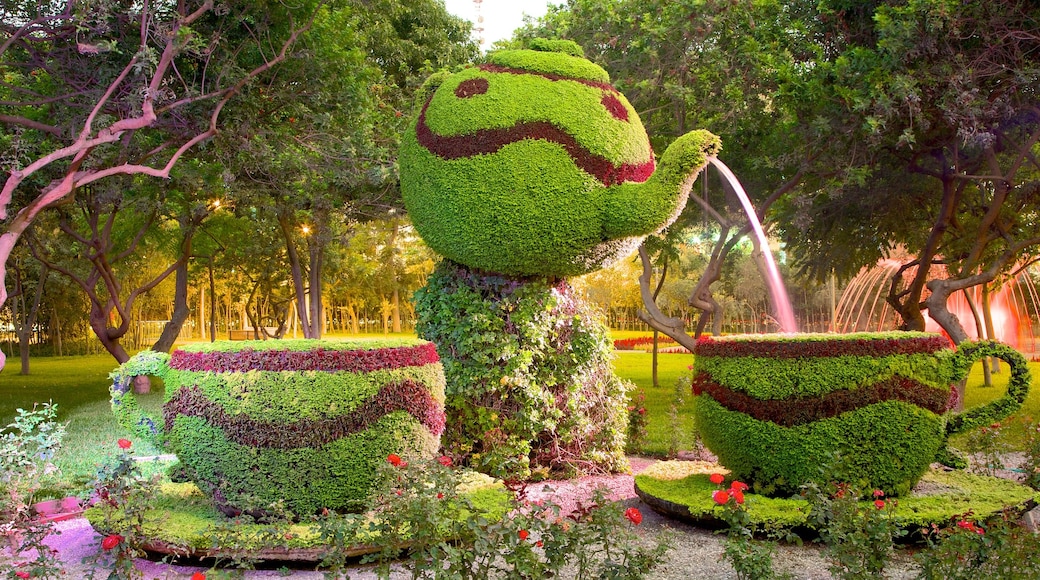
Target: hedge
776, 408
530, 165
251, 430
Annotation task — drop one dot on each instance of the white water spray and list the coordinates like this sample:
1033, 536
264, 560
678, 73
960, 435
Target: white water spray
777, 292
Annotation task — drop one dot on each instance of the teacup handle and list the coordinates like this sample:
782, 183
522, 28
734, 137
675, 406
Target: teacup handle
128, 412
1017, 390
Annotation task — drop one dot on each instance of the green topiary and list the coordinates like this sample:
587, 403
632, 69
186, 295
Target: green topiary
301, 422
533, 165
772, 409
529, 382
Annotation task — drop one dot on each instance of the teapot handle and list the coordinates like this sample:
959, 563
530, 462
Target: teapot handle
125, 406
1017, 390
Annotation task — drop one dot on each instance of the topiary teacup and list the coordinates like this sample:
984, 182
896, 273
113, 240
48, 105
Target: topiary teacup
303, 422
777, 409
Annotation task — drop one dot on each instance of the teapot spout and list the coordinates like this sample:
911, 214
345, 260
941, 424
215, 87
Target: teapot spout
640, 209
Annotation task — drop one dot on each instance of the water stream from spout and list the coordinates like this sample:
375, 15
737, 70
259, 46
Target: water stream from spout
777, 291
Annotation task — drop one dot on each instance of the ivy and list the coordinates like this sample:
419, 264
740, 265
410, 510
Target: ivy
529, 383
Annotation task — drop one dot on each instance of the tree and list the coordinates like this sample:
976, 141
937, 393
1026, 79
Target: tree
712, 65
933, 111
318, 143
123, 88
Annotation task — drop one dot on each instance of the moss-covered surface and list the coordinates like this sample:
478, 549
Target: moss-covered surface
681, 489
184, 522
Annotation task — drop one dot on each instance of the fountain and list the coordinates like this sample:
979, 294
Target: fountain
1014, 306
777, 291
875, 407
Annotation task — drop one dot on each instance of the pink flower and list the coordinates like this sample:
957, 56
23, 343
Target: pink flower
879, 504
523, 534
394, 459
22, 574
634, 515
111, 541
444, 460
720, 497
717, 478
124, 443
879, 493
738, 486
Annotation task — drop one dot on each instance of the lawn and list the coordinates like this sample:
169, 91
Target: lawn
79, 386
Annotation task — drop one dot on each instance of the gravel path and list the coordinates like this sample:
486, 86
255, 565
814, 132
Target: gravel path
697, 552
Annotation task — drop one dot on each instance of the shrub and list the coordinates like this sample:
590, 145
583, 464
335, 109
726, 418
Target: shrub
420, 517
772, 408
300, 422
529, 382
534, 165
965, 549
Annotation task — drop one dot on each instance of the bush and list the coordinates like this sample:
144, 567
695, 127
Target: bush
301, 422
772, 409
529, 382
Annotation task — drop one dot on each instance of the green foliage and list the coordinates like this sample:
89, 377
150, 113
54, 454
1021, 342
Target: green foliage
858, 534
338, 475
27, 449
528, 208
125, 497
422, 518
954, 492
891, 444
240, 469
1017, 389
781, 378
963, 549
529, 383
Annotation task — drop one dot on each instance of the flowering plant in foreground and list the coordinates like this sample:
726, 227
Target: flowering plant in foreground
418, 513
965, 549
751, 559
859, 533
123, 495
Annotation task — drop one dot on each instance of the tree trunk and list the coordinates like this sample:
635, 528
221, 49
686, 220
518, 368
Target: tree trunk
181, 311
991, 334
296, 273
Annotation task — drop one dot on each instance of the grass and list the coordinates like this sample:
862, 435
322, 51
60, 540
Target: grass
79, 386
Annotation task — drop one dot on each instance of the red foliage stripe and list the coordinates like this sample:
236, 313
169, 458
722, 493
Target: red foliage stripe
486, 141
801, 410
354, 361
406, 395
872, 347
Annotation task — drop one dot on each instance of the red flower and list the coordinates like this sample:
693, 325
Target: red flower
198, 576
879, 493
440, 495
444, 460
879, 503
720, 497
394, 459
737, 495
538, 543
634, 515
22, 574
124, 443
523, 534
111, 541
738, 486
717, 478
